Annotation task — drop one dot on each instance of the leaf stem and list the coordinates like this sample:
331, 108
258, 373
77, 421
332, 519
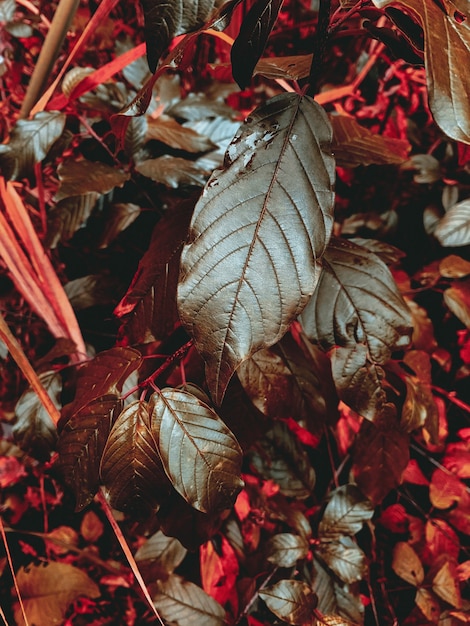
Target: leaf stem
319, 47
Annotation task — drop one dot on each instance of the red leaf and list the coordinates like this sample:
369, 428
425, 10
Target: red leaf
242, 505
11, 470
305, 436
219, 574
395, 519
414, 475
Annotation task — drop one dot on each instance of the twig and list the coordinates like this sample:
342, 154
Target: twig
450, 395
10, 563
321, 37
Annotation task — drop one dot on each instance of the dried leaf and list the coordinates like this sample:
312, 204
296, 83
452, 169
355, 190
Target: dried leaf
237, 293
181, 602
83, 177
168, 131
407, 564
48, 590
30, 141
346, 511
200, 454
172, 171
457, 298
445, 584
131, 468
291, 600
344, 557
285, 549
288, 67
454, 228
68, 216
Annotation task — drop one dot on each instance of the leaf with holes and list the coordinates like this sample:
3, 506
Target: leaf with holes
291, 600
454, 228
30, 141
200, 454
257, 232
285, 549
346, 511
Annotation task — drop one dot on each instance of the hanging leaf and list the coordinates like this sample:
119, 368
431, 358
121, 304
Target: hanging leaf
84, 177
407, 564
159, 556
181, 602
251, 40
355, 145
457, 298
81, 444
291, 600
285, 549
454, 228
33, 429
120, 216
344, 557
68, 216
172, 171
346, 511
288, 67
131, 468
283, 460
48, 590
357, 301
200, 454
447, 50
168, 131
250, 266
30, 141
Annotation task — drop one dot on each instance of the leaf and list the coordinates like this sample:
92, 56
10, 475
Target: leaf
419, 407
181, 602
457, 298
81, 444
282, 459
168, 131
406, 564
380, 457
445, 489
33, 429
355, 145
162, 552
200, 454
30, 141
251, 40
219, 573
336, 597
84, 177
291, 600
285, 549
454, 227
454, 266
385, 251
345, 513
428, 604
68, 216
441, 539
357, 301
120, 216
288, 67
131, 468
231, 307
457, 458
172, 171
92, 290
48, 590
344, 558
447, 52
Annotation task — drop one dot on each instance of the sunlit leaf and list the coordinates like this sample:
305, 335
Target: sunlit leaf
285, 549
33, 429
68, 216
257, 231
181, 602
48, 590
200, 454
291, 600
172, 171
346, 511
30, 141
345, 558
454, 228
173, 134
160, 554
457, 298
84, 177
407, 564
251, 40
442, 539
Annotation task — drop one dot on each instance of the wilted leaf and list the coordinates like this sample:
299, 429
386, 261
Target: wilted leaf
344, 557
168, 131
355, 145
131, 468
447, 45
200, 454
446, 585
251, 40
172, 171
120, 216
33, 429
282, 459
454, 228
68, 216
457, 299
285, 549
454, 266
407, 564
345, 513
288, 67
84, 177
250, 266
30, 141
291, 600
48, 590
81, 444
181, 602
357, 301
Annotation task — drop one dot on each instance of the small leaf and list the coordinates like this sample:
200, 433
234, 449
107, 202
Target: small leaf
406, 564
48, 590
288, 67
30, 141
172, 171
285, 549
336, 597
166, 551
457, 298
92, 290
181, 602
428, 604
346, 511
68, 216
83, 177
454, 266
219, 573
454, 228
168, 131
345, 558
291, 600
200, 454
231, 307
445, 489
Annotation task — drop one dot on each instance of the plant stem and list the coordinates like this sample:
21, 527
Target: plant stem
319, 48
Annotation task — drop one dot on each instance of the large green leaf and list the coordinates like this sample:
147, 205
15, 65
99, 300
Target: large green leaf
291, 600
200, 454
261, 224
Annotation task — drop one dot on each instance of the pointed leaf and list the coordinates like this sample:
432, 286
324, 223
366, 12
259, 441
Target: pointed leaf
30, 141
454, 228
335, 597
345, 558
407, 564
357, 301
250, 266
345, 513
84, 177
251, 40
181, 602
291, 600
68, 216
285, 549
200, 454
172, 171
131, 468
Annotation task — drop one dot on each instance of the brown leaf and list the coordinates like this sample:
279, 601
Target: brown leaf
168, 131
291, 600
344, 557
445, 489
68, 216
419, 408
407, 564
159, 556
457, 298
288, 67
445, 583
336, 597
231, 307
172, 171
91, 528
83, 177
454, 266
441, 539
345, 513
120, 216
454, 228
428, 604
423, 329
285, 549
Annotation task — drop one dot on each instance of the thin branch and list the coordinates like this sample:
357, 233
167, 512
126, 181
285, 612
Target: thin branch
321, 37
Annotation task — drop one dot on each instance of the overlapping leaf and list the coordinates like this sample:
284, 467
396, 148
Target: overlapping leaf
291, 600
173, 134
345, 513
160, 554
457, 298
344, 557
200, 454
285, 549
68, 216
257, 232
336, 597
172, 171
454, 228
